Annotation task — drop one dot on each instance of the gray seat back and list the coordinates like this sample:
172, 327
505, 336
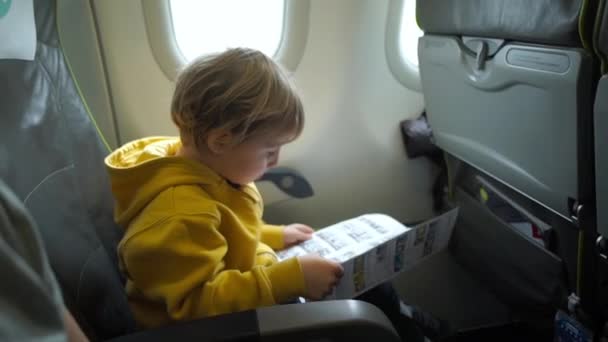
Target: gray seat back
601, 161
52, 158
514, 112
508, 89
601, 125
516, 118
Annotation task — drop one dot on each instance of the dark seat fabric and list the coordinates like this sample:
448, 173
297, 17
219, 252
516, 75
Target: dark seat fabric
601, 123
600, 37
553, 22
52, 157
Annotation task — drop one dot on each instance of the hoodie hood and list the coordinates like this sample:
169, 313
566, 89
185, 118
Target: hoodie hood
141, 169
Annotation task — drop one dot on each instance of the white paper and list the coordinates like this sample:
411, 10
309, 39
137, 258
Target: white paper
17, 30
373, 248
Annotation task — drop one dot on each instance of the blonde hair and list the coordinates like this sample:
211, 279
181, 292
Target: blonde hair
240, 90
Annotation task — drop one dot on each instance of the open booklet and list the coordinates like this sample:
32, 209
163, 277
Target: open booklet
373, 248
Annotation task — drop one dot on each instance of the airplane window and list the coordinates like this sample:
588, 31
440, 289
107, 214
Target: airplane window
402, 33
206, 26
409, 33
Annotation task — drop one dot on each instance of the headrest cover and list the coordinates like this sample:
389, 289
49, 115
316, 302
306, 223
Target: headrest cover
17, 30
553, 22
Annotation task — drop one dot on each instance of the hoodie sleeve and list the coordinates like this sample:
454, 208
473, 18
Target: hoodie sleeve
184, 267
273, 236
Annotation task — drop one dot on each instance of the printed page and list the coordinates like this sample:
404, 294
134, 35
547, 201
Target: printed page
374, 248
347, 239
427, 239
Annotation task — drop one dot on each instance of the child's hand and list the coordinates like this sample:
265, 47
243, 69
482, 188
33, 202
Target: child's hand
296, 233
320, 275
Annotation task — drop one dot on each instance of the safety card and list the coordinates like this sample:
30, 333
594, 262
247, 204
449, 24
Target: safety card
373, 248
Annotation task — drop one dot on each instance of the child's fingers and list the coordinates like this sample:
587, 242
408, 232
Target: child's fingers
305, 235
305, 229
302, 237
339, 271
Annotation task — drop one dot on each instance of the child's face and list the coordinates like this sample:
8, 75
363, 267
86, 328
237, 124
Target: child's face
248, 161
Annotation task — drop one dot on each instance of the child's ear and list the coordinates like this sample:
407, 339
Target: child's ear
218, 140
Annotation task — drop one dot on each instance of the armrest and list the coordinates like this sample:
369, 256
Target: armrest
342, 320
289, 181
336, 320
239, 326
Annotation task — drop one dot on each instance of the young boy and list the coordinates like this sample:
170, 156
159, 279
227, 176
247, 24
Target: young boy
195, 242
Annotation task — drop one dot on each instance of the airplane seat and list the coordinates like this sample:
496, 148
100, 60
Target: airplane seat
601, 122
600, 42
52, 157
53, 161
508, 91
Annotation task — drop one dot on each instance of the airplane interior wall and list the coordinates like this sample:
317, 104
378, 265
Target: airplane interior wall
351, 150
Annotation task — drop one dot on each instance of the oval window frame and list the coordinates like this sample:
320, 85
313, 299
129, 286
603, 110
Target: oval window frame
166, 52
407, 73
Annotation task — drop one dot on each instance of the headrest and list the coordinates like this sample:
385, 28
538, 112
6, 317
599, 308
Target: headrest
17, 30
553, 22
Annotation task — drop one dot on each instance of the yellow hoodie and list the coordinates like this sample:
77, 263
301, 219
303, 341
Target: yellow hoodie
194, 245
